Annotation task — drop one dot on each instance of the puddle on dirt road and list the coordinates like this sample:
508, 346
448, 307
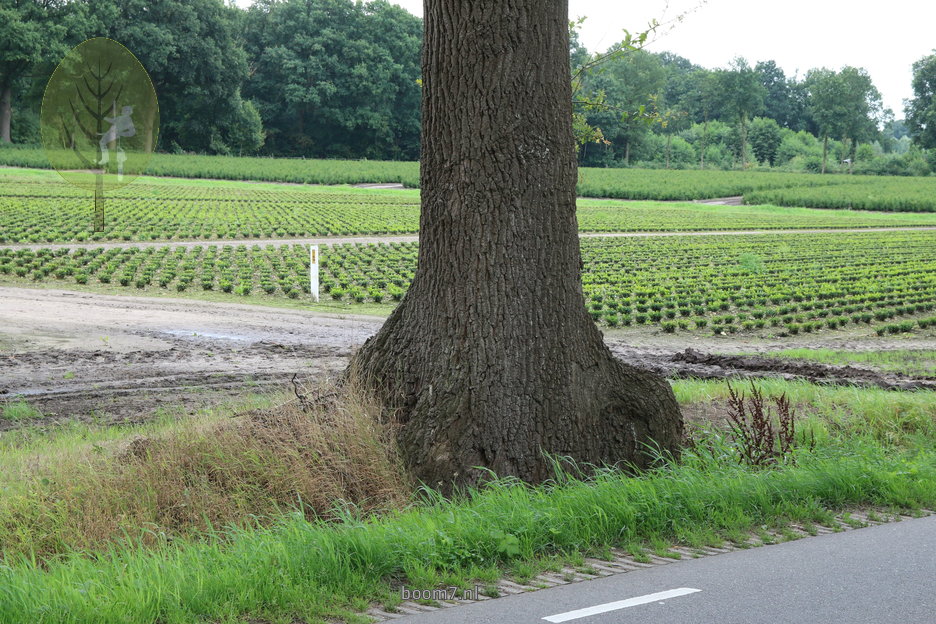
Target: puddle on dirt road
194, 333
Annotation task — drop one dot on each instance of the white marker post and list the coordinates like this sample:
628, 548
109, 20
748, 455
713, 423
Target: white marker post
313, 272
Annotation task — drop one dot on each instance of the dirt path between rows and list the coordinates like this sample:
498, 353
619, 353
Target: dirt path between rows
121, 358
412, 238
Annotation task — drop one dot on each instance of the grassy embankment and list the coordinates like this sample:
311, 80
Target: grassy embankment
201, 508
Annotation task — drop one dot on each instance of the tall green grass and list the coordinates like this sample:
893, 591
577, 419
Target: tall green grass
18, 410
314, 570
838, 412
170, 479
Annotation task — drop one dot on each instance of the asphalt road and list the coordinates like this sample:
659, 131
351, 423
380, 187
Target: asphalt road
876, 575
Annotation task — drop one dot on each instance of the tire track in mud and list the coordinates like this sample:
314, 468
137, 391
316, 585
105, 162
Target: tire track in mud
691, 363
121, 358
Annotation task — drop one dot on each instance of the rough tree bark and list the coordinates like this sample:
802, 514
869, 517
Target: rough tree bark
491, 357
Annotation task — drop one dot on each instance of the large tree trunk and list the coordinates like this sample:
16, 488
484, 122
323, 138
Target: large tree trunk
6, 113
491, 358
825, 151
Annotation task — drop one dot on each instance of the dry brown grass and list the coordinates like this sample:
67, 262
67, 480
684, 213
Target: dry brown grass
245, 469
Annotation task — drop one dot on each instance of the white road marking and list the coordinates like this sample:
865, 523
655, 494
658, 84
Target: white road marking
620, 604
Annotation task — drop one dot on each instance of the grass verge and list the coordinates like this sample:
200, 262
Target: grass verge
908, 362
317, 570
19, 410
333, 562
832, 413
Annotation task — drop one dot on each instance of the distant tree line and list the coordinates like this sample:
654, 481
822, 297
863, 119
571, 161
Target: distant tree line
743, 116
340, 78
314, 78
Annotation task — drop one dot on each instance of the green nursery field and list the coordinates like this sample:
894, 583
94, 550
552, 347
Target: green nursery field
38, 207
778, 283
195, 519
874, 193
671, 184
300, 170
886, 193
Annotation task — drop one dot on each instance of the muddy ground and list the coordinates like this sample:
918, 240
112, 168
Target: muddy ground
122, 358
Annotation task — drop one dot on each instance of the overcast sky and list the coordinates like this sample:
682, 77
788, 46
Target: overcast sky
883, 37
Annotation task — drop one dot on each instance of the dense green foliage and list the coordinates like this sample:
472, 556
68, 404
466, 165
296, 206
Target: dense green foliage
334, 78
33, 36
921, 108
192, 51
707, 117
318, 77
772, 283
845, 105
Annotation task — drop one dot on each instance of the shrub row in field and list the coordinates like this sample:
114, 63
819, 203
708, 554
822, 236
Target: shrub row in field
39, 208
309, 171
800, 282
673, 184
883, 194
55, 212
761, 187
906, 326
794, 284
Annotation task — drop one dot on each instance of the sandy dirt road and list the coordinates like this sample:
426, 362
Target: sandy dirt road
80, 354
119, 358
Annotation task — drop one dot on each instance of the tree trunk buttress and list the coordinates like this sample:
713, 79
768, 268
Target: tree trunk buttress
491, 357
